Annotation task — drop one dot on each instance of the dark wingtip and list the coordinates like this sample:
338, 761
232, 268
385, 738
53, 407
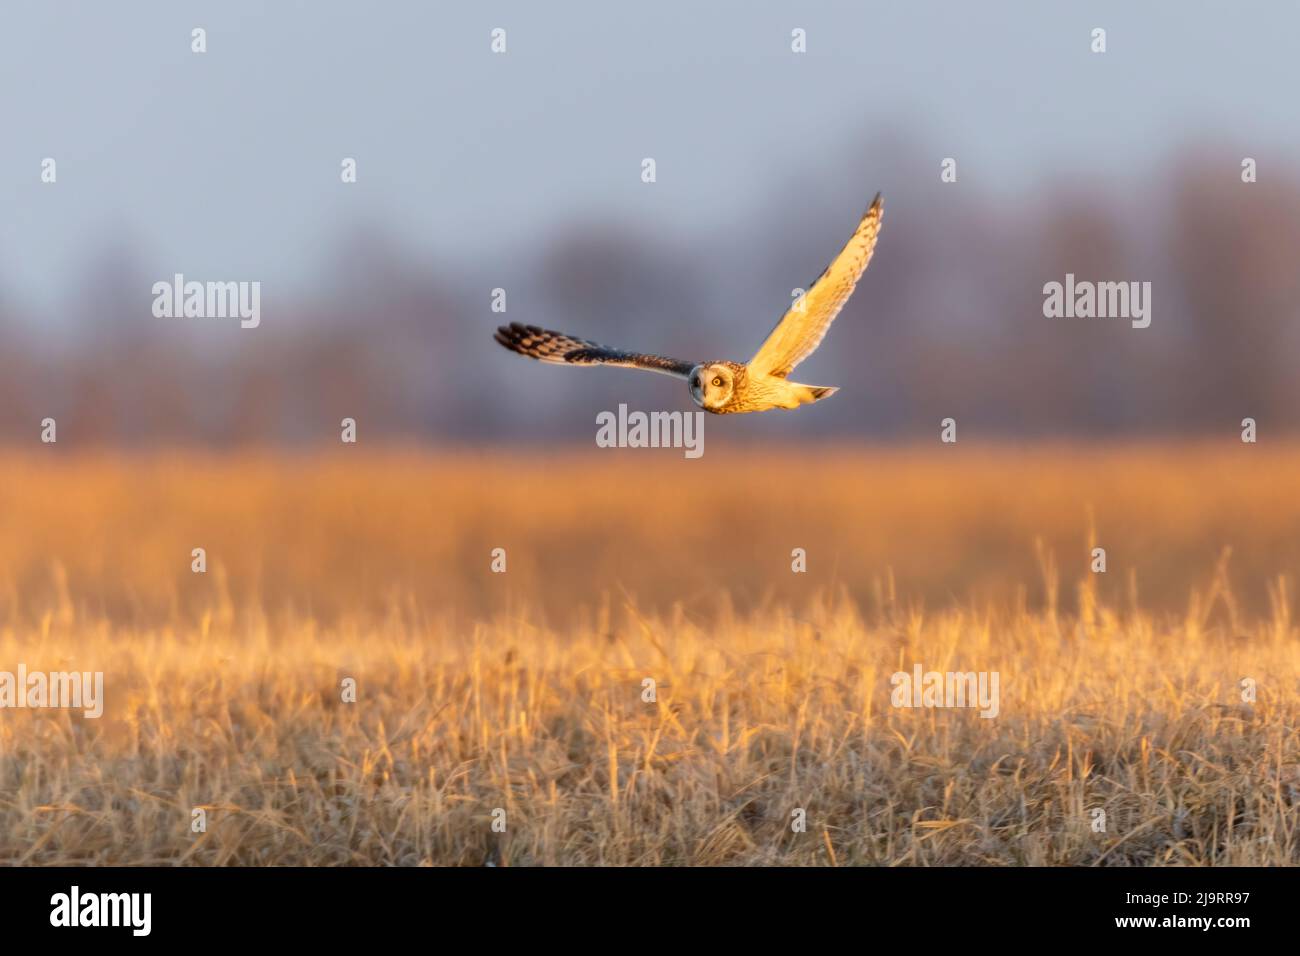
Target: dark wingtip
506, 338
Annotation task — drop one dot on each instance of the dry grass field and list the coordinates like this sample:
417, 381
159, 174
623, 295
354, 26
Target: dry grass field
523, 691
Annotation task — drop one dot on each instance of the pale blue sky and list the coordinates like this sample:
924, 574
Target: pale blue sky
227, 164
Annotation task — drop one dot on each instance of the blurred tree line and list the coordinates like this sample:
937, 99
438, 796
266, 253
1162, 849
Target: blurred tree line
948, 322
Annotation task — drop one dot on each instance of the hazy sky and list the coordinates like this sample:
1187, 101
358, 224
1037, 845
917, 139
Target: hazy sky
226, 164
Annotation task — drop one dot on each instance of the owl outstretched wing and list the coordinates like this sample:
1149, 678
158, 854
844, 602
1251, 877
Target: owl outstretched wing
560, 349
802, 329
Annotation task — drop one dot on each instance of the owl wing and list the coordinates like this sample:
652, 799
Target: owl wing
802, 329
560, 349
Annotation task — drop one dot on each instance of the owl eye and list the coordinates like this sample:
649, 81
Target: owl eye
717, 381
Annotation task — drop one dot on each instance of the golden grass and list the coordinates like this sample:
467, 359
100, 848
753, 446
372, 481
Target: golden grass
523, 692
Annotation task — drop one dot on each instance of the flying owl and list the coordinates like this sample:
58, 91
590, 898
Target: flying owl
729, 387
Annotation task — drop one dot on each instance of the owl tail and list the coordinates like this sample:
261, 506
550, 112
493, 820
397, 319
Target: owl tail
807, 394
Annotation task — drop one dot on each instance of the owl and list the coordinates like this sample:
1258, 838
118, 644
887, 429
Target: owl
722, 387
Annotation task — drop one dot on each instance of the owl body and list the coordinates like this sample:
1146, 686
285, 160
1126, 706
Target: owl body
723, 387
729, 388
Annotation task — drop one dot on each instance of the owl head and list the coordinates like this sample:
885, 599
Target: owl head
712, 385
